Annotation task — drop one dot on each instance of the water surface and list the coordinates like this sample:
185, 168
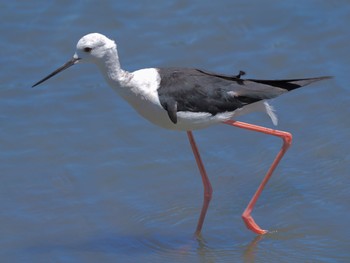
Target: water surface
85, 179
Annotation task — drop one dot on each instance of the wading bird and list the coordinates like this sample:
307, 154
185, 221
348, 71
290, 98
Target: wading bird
187, 99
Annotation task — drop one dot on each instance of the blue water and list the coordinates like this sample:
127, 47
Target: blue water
83, 178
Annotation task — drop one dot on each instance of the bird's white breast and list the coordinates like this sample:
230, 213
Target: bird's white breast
140, 91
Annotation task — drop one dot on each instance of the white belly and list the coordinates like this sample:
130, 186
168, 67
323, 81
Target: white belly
187, 121
157, 115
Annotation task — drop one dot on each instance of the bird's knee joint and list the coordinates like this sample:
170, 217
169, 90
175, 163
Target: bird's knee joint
287, 138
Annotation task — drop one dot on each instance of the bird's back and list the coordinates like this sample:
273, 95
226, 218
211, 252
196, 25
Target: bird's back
198, 91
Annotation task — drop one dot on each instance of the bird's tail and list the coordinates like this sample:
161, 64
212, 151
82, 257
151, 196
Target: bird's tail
290, 84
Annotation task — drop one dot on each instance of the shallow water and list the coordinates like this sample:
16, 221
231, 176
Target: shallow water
85, 179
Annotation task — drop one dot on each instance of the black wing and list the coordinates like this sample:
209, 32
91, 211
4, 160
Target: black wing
196, 90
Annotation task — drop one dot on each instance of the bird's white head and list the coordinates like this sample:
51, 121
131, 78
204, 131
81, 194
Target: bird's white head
93, 47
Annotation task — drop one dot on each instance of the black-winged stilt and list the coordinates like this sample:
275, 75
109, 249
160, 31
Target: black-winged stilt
189, 99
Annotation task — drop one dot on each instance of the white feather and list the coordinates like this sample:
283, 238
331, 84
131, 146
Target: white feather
271, 112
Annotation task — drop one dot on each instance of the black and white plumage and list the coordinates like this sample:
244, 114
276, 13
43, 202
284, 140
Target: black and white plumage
189, 99
180, 98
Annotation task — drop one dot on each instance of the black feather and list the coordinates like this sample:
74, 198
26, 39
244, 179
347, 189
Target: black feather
196, 90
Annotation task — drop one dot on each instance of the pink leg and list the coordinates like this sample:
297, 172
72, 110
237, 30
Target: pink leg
287, 140
208, 190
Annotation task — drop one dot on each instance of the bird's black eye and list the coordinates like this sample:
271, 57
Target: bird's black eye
87, 49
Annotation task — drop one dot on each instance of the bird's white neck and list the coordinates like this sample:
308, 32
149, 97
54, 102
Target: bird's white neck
110, 68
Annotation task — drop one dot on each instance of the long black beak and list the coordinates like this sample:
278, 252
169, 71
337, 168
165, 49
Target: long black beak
70, 63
